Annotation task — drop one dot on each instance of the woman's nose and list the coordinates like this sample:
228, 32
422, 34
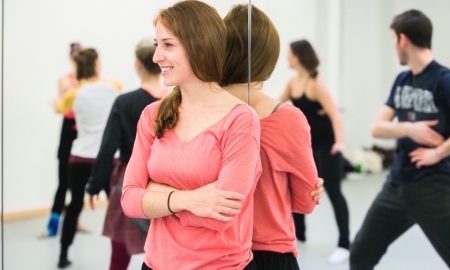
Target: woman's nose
157, 56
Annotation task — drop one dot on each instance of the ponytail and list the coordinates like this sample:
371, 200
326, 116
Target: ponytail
168, 113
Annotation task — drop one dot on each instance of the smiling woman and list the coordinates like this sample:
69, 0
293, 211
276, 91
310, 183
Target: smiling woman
195, 162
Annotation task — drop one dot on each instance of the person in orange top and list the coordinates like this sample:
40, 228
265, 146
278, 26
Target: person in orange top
67, 135
201, 142
289, 174
65, 103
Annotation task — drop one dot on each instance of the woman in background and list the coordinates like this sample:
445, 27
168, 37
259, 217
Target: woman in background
68, 134
307, 92
91, 106
127, 237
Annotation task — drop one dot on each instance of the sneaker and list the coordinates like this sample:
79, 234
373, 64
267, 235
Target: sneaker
64, 263
339, 255
53, 224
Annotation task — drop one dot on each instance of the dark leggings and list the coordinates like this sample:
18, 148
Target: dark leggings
269, 260
68, 135
330, 168
250, 266
395, 210
119, 256
78, 176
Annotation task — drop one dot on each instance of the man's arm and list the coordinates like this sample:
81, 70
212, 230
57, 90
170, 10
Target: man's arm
420, 131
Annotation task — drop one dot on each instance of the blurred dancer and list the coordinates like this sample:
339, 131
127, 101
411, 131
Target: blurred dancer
308, 93
127, 235
417, 189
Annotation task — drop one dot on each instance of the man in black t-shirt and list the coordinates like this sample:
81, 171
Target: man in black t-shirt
417, 189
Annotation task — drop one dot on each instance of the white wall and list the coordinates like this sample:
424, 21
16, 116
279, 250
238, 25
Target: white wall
364, 61
36, 36
294, 19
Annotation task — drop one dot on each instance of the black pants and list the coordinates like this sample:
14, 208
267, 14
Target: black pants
78, 176
68, 135
268, 260
395, 210
330, 168
250, 266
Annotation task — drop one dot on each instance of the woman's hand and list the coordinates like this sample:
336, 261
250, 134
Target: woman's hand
317, 193
209, 201
337, 148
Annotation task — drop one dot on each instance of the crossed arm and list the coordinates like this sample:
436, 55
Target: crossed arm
208, 201
421, 132
211, 206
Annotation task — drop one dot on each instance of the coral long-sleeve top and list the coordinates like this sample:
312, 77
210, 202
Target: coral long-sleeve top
227, 151
288, 177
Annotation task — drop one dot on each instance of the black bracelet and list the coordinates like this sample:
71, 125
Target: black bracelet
168, 203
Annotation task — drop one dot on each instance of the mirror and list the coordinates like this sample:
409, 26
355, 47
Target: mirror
358, 64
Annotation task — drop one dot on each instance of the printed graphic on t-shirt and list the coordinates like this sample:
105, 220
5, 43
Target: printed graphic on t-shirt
419, 100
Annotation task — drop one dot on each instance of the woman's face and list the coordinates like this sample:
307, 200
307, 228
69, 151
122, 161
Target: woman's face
293, 60
171, 57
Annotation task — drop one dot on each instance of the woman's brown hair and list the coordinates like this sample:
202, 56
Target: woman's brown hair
306, 55
85, 61
74, 49
265, 46
201, 32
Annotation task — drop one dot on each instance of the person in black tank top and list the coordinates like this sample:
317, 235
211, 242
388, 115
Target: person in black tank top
320, 123
327, 140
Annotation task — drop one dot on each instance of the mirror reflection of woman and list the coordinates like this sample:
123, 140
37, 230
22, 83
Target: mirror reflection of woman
308, 92
289, 174
195, 162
